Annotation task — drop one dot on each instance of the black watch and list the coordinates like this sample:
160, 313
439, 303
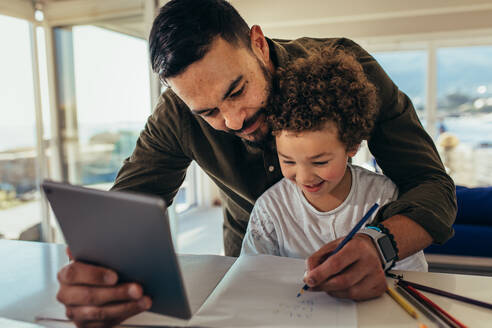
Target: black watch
383, 244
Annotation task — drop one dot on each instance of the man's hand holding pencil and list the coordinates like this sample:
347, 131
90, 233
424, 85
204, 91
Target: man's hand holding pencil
355, 272
348, 267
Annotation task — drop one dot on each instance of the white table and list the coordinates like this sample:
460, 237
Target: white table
28, 284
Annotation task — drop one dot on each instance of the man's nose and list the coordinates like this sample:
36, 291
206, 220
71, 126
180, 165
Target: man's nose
233, 117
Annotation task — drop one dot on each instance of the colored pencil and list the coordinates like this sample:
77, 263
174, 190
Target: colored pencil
448, 294
347, 238
404, 304
429, 314
433, 306
447, 322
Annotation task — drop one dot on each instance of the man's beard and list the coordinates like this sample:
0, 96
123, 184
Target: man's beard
260, 134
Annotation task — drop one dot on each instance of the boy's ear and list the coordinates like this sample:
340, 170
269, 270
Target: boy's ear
352, 151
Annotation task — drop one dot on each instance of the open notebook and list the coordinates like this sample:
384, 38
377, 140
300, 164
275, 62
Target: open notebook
257, 291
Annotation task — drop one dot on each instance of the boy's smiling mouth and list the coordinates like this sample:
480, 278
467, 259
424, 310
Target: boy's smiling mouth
313, 188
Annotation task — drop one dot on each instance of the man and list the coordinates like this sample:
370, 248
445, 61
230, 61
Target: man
219, 75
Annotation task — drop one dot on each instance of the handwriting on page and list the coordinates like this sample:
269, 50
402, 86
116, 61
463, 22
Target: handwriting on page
300, 309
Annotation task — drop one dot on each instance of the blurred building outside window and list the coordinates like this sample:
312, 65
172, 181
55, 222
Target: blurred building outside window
464, 108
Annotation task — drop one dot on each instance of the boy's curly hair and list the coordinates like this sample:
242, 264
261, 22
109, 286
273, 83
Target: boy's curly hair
329, 85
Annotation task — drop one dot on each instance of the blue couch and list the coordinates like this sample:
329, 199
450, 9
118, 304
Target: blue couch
473, 225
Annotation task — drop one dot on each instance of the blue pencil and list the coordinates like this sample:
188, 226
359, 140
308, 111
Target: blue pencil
347, 238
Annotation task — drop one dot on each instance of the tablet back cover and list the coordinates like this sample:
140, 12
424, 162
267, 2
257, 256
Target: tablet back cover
126, 232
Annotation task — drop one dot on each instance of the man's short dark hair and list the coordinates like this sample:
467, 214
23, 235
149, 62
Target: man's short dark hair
184, 30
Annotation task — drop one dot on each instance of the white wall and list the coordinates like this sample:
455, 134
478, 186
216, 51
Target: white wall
363, 19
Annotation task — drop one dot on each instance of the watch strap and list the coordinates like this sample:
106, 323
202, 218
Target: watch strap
377, 235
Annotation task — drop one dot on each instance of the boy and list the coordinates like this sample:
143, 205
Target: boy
323, 108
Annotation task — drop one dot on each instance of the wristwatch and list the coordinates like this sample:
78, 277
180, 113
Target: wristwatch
383, 244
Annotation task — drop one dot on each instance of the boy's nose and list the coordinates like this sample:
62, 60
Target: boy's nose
305, 177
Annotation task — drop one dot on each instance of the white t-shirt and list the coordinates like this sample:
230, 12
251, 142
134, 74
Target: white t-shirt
284, 223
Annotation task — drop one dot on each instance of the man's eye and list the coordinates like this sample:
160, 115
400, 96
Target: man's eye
237, 93
210, 113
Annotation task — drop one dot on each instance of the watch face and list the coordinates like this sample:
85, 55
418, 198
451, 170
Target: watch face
387, 248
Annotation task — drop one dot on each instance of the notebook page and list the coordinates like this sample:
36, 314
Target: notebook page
261, 291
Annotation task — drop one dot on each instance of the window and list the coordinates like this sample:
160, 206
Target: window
464, 96
408, 70
19, 195
113, 101
112, 98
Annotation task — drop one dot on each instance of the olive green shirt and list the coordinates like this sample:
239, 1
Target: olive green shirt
173, 137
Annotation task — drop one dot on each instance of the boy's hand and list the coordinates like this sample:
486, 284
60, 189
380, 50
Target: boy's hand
355, 272
93, 298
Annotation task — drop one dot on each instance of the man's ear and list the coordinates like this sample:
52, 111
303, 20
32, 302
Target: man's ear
259, 44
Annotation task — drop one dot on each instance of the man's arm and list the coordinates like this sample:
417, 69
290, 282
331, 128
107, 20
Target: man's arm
407, 155
159, 162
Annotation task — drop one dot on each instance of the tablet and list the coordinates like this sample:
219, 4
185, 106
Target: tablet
126, 232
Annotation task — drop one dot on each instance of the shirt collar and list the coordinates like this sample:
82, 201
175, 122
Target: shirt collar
278, 53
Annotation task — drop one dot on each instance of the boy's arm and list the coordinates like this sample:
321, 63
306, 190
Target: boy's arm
260, 237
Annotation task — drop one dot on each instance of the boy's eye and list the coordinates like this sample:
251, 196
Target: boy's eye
320, 163
289, 162
237, 93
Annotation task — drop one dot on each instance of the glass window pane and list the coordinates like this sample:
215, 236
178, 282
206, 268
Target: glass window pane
112, 90
19, 197
408, 70
113, 100
465, 113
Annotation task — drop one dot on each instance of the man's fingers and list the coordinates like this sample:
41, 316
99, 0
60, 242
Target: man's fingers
320, 255
78, 273
346, 279
112, 313
96, 324
332, 266
69, 254
369, 287
73, 295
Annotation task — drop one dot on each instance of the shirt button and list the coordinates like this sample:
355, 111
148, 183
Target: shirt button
271, 168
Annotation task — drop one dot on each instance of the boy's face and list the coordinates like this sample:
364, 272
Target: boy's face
315, 160
229, 87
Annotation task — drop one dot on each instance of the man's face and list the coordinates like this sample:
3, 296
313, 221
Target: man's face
229, 88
